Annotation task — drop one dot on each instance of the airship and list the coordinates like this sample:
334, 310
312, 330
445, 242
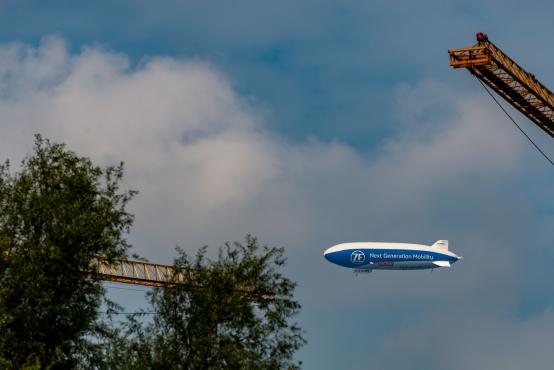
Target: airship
366, 257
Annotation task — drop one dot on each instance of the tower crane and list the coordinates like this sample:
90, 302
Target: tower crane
518, 87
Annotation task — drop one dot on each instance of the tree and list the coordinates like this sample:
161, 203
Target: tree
56, 213
231, 313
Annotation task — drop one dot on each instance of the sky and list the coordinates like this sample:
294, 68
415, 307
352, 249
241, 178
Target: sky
311, 123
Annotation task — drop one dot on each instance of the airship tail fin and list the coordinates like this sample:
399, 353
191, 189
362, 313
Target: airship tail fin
441, 244
441, 263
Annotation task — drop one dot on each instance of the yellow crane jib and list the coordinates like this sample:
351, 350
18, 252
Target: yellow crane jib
156, 275
135, 272
518, 87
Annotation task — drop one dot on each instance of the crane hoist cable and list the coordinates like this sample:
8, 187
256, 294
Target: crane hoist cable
516, 124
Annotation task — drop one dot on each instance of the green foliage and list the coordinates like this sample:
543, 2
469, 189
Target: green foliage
56, 213
232, 313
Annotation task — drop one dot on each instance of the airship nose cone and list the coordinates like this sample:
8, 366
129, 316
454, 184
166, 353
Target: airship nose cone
333, 254
327, 254
330, 254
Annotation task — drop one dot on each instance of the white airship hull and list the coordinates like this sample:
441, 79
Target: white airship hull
363, 257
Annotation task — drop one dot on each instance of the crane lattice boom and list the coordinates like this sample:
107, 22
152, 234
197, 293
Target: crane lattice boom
152, 274
517, 86
135, 272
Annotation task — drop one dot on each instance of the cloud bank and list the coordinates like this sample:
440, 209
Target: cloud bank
209, 169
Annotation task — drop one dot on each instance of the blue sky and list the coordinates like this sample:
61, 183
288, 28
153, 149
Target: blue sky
310, 123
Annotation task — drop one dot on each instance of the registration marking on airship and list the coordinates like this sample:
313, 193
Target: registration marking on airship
366, 257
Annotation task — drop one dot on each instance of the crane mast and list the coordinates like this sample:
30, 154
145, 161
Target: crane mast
518, 87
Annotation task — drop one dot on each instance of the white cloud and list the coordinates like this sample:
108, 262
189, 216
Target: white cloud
209, 170
196, 150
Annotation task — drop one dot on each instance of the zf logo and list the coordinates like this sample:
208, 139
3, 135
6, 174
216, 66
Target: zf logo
357, 257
